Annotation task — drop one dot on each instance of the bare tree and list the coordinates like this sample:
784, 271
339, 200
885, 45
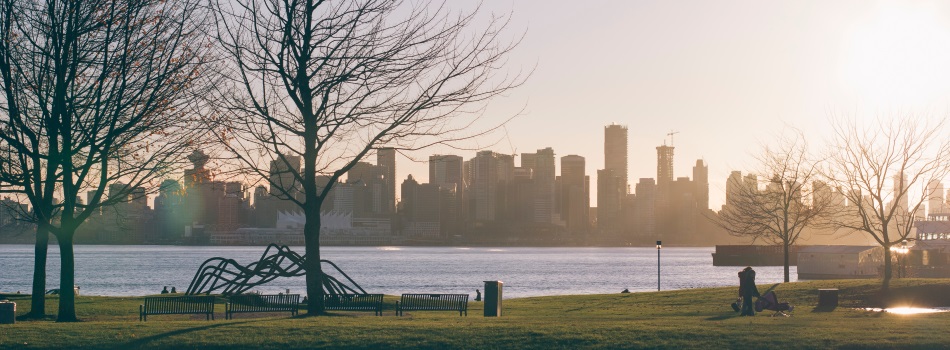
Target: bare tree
885, 168
333, 81
789, 203
94, 94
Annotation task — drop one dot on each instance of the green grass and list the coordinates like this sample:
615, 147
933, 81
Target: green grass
698, 318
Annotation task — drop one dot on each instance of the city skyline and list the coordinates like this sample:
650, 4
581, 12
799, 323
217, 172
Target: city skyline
727, 75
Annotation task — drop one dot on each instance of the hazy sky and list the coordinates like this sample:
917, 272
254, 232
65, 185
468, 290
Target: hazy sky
726, 75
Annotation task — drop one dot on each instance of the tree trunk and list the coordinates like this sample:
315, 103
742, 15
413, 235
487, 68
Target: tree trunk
312, 266
886, 284
67, 279
38, 298
785, 248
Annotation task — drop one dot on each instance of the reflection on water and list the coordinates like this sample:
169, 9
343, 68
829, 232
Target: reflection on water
910, 310
142, 270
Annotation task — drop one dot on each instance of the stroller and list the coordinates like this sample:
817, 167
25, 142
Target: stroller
769, 301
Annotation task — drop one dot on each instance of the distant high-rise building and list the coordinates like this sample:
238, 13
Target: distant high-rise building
370, 189
701, 183
491, 172
448, 171
445, 169
612, 185
664, 164
229, 213
615, 152
575, 193
407, 196
664, 189
283, 182
644, 206
901, 189
610, 195
542, 165
733, 188
386, 160
935, 200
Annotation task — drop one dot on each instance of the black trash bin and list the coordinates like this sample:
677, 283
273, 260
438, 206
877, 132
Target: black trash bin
7, 312
493, 298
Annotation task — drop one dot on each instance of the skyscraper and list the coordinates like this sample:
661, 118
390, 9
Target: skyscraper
386, 158
447, 169
283, 183
612, 180
609, 198
543, 170
448, 172
664, 164
615, 152
935, 201
575, 194
491, 172
701, 183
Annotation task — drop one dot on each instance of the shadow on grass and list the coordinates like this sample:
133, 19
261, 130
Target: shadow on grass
28, 317
728, 316
141, 342
824, 308
724, 317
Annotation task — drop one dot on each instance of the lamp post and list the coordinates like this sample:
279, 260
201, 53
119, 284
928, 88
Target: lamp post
903, 257
659, 245
901, 252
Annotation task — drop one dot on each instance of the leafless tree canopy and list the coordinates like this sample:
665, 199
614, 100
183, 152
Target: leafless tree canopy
789, 202
331, 81
339, 78
94, 93
884, 168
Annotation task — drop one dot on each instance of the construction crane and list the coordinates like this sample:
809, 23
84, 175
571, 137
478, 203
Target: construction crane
670, 134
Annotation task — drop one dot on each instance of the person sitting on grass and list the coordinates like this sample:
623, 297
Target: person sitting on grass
165, 290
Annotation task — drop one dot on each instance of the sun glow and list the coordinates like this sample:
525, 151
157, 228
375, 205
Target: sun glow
897, 56
906, 310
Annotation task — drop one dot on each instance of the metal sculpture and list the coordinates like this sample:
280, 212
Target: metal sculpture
232, 278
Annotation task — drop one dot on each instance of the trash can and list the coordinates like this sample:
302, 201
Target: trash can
493, 298
828, 298
7, 312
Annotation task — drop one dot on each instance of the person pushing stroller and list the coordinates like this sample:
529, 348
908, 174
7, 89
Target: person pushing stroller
747, 290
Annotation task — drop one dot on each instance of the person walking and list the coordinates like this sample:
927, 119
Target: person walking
747, 290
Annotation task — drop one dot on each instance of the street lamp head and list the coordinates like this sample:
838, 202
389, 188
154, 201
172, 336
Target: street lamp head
659, 244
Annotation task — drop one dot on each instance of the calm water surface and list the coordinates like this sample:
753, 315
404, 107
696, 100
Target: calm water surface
141, 270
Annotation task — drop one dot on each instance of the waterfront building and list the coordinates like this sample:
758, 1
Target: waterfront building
839, 261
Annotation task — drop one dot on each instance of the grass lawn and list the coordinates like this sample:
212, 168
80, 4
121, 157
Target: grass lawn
697, 318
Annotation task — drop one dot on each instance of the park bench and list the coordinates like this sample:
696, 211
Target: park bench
433, 302
245, 303
354, 302
178, 305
